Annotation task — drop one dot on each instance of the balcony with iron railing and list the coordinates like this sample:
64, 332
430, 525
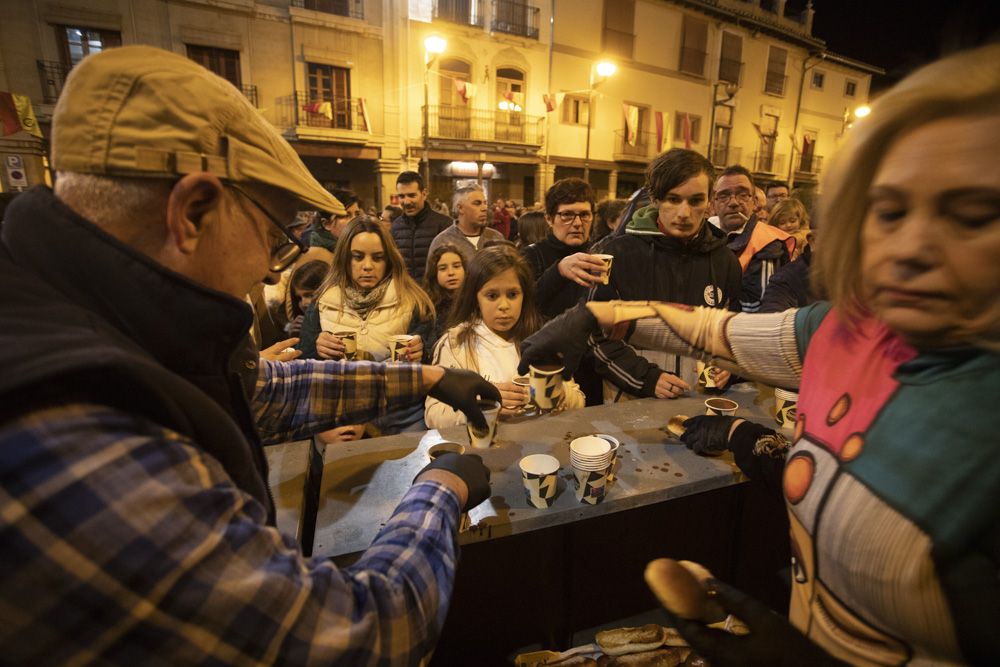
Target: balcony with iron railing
723, 156
730, 71
768, 163
339, 113
774, 84
354, 9
515, 18
249, 91
640, 150
464, 12
463, 123
809, 164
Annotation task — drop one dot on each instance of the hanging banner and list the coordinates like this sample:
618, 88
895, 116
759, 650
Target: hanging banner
631, 123
364, 115
658, 116
550, 102
687, 131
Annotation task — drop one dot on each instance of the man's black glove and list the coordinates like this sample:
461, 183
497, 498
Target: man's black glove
562, 340
708, 435
472, 471
772, 640
459, 389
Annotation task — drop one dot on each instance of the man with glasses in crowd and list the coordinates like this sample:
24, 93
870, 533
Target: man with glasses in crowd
667, 253
138, 525
760, 248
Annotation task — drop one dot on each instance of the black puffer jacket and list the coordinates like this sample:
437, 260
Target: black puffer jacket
649, 265
413, 236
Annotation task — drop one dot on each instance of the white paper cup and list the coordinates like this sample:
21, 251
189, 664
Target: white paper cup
785, 407
591, 453
540, 473
608, 260
397, 346
721, 406
546, 385
437, 450
350, 343
491, 409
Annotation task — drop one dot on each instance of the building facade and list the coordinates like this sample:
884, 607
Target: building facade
515, 98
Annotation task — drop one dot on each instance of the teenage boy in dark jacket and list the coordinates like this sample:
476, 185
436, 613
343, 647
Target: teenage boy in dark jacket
667, 253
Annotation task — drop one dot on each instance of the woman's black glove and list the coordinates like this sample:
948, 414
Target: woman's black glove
472, 471
563, 341
772, 640
708, 435
460, 388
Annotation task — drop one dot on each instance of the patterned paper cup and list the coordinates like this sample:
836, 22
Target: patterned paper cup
397, 346
613, 441
540, 474
483, 440
546, 385
606, 274
785, 407
591, 485
706, 375
721, 406
350, 343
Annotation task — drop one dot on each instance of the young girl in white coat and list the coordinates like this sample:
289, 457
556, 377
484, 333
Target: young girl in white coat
493, 313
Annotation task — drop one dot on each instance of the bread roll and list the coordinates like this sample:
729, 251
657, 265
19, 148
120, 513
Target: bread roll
678, 588
630, 640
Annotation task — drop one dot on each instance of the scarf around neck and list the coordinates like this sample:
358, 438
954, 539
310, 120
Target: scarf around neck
363, 301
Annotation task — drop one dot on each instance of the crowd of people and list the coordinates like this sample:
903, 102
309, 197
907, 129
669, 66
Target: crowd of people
190, 293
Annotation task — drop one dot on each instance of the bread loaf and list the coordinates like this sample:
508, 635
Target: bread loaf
630, 640
661, 657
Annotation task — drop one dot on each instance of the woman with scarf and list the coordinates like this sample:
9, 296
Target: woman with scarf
369, 294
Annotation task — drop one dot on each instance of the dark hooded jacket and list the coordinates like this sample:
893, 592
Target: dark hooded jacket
650, 265
413, 236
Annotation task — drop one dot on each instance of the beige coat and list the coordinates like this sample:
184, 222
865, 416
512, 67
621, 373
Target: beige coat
372, 333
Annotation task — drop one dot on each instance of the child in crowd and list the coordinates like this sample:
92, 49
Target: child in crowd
443, 277
302, 286
493, 312
790, 215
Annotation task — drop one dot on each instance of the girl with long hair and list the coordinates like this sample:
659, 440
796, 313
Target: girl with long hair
493, 312
443, 277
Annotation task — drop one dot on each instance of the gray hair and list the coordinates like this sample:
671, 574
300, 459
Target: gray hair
460, 194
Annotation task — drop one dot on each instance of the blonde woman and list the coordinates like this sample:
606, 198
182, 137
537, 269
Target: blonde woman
892, 479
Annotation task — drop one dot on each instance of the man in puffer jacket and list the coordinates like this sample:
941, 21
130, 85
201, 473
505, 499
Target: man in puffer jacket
416, 228
666, 253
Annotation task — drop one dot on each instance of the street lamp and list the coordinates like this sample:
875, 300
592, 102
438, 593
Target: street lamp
850, 116
433, 47
603, 70
730, 89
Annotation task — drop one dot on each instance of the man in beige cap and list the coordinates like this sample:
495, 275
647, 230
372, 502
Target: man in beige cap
137, 523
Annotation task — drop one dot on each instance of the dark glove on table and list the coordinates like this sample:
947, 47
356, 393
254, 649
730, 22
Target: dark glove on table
563, 341
772, 640
708, 435
472, 471
459, 389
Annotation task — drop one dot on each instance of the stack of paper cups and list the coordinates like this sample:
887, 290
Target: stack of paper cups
591, 458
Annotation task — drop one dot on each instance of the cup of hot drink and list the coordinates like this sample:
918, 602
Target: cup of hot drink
437, 450
721, 406
546, 385
483, 439
785, 407
608, 260
350, 341
397, 346
706, 375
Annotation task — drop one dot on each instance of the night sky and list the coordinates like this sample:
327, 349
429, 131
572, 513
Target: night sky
900, 35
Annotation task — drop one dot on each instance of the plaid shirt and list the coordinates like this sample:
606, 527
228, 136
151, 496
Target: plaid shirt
121, 543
